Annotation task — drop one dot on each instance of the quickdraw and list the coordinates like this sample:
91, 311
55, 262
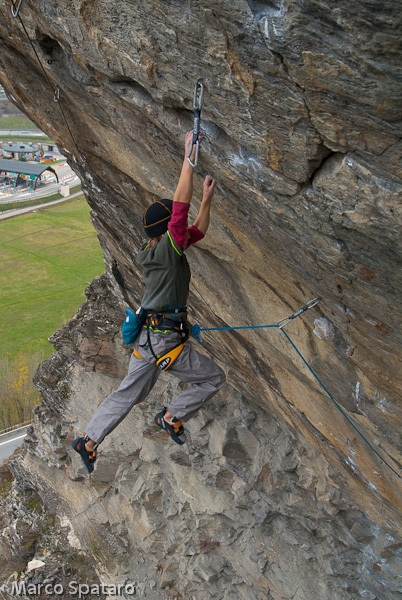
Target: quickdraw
198, 102
15, 8
283, 322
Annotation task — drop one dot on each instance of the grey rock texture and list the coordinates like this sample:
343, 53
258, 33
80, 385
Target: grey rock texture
275, 495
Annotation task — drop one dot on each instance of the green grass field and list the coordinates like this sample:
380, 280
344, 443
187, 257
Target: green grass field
21, 123
16, 123
47, 258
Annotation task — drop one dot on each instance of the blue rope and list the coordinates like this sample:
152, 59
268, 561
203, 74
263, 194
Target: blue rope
227, 328
280, 325
330, 396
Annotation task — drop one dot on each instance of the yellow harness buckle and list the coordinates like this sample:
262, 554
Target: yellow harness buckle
166, 361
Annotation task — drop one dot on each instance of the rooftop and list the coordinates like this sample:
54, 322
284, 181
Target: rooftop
27, 168
18, 147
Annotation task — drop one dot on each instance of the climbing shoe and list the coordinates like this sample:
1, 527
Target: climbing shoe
175, 430
88, 455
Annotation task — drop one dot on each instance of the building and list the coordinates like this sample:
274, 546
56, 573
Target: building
18, 150
16, 168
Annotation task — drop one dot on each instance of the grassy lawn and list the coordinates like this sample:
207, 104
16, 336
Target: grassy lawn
37, 201
47, 260
16, 123
21, 123
26, 203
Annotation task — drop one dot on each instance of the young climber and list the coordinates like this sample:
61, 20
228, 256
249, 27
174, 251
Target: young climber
167, 278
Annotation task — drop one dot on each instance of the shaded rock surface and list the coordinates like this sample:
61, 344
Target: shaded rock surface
275, 495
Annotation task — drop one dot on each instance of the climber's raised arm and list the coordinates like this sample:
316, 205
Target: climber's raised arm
202, 220
183, 235
184, 189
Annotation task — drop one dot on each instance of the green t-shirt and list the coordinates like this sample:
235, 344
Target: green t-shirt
166, 274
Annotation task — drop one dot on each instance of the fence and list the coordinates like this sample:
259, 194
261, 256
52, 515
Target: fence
14, 427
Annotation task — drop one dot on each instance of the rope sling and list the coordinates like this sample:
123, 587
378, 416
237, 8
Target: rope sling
281, 324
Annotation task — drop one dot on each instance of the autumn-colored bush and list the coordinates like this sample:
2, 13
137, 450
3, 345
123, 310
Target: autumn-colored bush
18, 394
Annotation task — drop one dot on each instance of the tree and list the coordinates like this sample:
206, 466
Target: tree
18, 395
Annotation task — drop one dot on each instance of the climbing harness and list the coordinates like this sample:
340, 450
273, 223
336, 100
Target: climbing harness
15, 8
166, 361
158, 322
198, 102
281, 324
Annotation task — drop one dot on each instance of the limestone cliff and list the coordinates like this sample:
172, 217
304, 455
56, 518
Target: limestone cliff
275, 495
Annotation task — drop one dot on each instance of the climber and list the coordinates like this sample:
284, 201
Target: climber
167, 277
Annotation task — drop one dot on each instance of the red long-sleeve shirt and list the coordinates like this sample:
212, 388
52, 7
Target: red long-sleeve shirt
178, 226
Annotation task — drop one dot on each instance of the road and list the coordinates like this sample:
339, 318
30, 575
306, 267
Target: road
10, 441
8, 214
31, 132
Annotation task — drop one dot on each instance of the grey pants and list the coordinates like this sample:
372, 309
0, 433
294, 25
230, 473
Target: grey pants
203, 376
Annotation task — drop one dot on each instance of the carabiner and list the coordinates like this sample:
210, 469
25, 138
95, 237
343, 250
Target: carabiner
197, 103
198, 95
313, 302
15, 8
283, 322
197, 149
56, 96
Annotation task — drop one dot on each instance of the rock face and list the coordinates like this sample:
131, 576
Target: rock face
276, 495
